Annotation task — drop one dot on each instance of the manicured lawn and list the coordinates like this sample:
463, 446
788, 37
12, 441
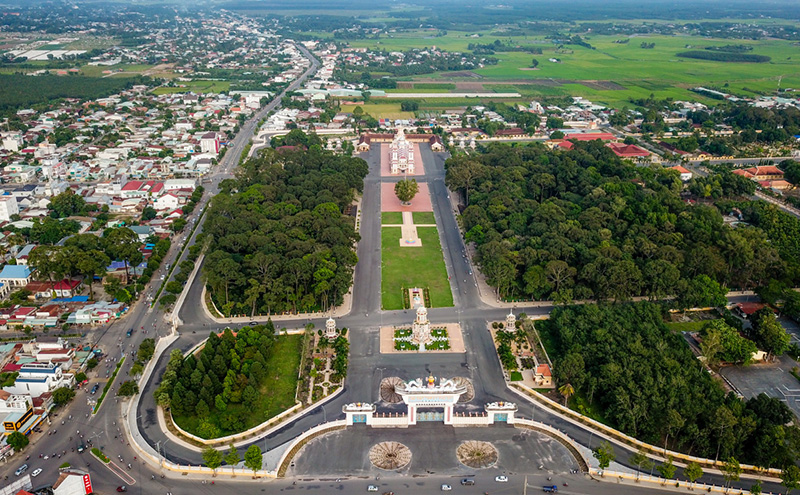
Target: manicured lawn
391, 218
381, 110
423, 217
275, 397
195, 87
413, 267
687, 326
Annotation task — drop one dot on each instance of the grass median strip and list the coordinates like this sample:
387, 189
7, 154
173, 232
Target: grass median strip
108, 386
100, 455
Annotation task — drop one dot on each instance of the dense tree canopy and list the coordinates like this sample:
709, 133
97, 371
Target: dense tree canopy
279, 240
583, 224
647, 383
226, 378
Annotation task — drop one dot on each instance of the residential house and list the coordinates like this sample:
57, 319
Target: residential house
38, 378
685, 174
168, 201
15, 276
543, 376
8, 207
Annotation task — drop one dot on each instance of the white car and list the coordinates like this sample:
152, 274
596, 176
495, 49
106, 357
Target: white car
446, 488
501, 479
36, 472
372, 488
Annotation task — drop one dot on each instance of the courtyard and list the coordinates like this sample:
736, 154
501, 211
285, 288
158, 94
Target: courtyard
433, 447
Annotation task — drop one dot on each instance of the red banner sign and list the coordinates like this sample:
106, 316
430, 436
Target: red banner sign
87, 484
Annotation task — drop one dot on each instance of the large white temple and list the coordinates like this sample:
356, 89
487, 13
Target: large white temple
401, 154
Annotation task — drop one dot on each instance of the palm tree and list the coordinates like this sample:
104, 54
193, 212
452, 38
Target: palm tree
566, 390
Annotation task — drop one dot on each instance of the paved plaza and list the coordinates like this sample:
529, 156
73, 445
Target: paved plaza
389, 201
433, 451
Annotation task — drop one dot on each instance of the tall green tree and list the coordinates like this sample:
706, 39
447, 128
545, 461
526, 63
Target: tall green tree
89, 264
49, 262
790, 478
123, 244
17, 441
604, 453
462, 173
641, 461
213, 458
232, 456
731, 471
253, 459
406, 189
693, 472
768, 333
667, 470
66, 204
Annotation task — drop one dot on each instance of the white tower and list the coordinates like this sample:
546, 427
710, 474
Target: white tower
421, 330
511, 322
330, 328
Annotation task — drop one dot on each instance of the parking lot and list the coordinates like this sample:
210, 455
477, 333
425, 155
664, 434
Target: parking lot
773, 379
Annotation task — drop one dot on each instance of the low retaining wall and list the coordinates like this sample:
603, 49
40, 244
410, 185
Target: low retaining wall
612, 476
248, 436
561, 437
299, 442
245, 435
653, 452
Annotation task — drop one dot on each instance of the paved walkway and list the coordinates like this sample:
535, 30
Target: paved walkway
409, 237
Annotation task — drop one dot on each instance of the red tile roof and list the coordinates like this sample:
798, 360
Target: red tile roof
627, 150
590, 136
749, 308
67, 284
133, 185
543, 369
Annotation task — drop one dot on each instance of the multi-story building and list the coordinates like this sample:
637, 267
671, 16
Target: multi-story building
8, 207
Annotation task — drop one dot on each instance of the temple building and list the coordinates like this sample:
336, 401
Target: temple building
401, 154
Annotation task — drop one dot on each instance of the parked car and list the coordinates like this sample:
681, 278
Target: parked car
21, 469
36, 472
446, 488
468, 482
501, 479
